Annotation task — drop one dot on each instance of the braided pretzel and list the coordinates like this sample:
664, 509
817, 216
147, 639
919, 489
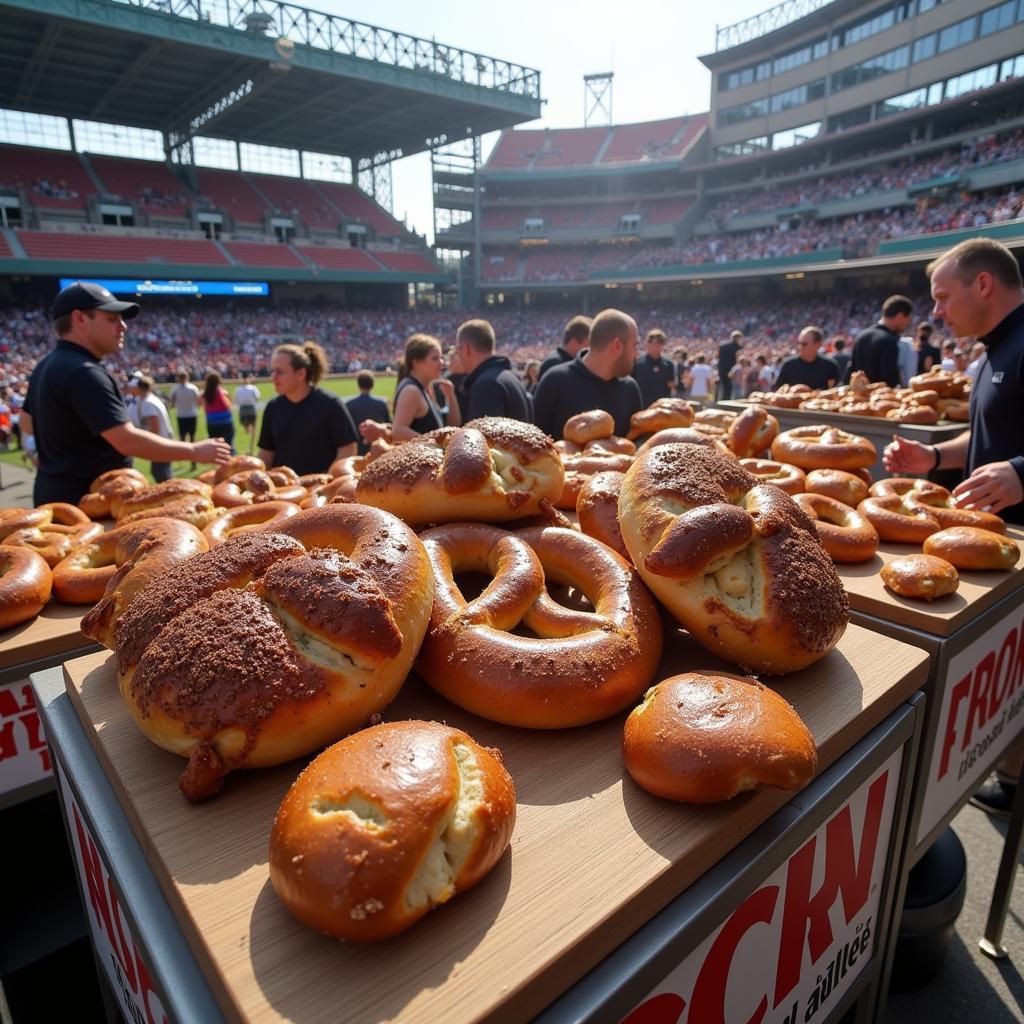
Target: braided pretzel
736, 562
157, 496
273, 645
787, 478
52, 541
255, 486
25, 582
491, 470
267, 515
924, 497
845, 534
107, 490
597, 509
822, 447
664, 414
588, 426
579, 666
752, 432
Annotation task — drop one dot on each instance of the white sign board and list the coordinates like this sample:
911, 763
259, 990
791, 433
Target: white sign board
791, 950
980, 707
24, 757
116, 947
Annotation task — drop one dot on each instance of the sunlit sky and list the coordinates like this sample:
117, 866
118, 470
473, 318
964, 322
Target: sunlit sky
650, 45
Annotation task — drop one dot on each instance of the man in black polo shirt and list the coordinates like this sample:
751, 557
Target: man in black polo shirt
490, 387
365, 406
807, 367
655, 374
927, 354
595, 379
576, 336
75, 409
727, 353
876, 349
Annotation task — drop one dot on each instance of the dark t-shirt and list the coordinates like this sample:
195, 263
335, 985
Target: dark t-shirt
306, 435
572, 388
997, 404
493, 389
727, 353
876, 352
815, 375
365, 406
560, 356
923, 353
653, 374
72, 399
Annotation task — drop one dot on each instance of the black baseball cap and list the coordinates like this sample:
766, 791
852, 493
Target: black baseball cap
89, 295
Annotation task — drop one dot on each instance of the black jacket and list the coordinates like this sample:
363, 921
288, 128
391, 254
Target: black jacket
494, 389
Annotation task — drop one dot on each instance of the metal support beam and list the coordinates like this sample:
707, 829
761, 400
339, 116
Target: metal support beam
38, 62
236, 72
126, 79
374, 178
597, 99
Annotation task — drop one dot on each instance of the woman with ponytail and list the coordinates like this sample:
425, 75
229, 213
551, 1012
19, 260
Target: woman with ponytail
304, 427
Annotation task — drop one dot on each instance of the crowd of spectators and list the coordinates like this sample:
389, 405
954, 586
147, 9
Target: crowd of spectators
53, 189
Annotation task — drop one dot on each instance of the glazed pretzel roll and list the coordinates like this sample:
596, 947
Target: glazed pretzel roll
735, 561
967, 547
230, 522
493, 469
580, 468
920, 576
597, 509
685, 435
257, 485
702, 737
720, 418
577, 667
588, 426
941, 382
822, 447
197, 510
915, 414
386, 825
613, 444
752, 433
787, 478
25, 582
845, 534
12, 519
109, 488
926, 498
895, 522
837, 484
237, 464
53, 542
664, 414
157, 496
273, 645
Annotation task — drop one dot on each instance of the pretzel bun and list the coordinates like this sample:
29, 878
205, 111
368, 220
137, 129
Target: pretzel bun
735, 561
845, 534
597, 509
197, 510
613, 444
702, 737
53, 542
752, 432
230, 522
660, 417
941, 382
588, 426
493, 469
823, 447
920, 414
25, 582
837, 484
157, 496
787, 478
577, 667
957, 411
386, 825
685, 435
273, 645
580, 468
564, 448
920, 576
237, 464
967, 547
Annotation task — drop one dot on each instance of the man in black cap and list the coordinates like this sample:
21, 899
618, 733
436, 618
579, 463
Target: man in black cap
75, 409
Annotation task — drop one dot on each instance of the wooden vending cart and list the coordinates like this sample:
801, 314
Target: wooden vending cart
186, 924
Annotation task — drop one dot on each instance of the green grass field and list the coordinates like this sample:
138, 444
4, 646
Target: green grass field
344, 387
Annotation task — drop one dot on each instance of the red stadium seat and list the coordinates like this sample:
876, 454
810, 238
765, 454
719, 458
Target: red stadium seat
264, 254
52, 245
53, 179
148, 183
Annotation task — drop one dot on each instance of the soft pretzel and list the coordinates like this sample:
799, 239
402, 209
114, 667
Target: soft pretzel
920, 576
787, 478
493, 469
12, 519
702, 737
386, 825
25, 582
52, 541
845, 534
237, 464
662, 415
157, 496
685, 435
914, 414
578, 667
107, 490
752, 433
197, 510
266, 515
273, 645
944, 383
257, 485
894, 521
341, 488
720, 418
616, 445
735, 561
928, 498
837, 484
823, 447
967, 547
588, 426
349, 465
597, 509
579, 469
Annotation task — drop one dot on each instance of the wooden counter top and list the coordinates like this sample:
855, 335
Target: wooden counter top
593, 856
54, 631
977, 591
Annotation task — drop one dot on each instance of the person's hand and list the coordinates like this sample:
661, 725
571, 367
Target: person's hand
990, 488
447, 388
371, 430
215, 450
906, 456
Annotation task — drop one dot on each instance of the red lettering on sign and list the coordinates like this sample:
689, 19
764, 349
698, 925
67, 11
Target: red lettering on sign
664, 1009
959, 695
95, 883
977, 710
44, 758
8, 744
708, 1003
1004, 672
34, 728
9, 704
806, 915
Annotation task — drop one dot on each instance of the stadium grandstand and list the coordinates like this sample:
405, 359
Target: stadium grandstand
840, 138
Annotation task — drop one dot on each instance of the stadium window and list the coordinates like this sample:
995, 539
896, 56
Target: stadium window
746, 148
796, 136
118, 140
899, 104
971, 82
995, 19
24, 129
1012, 68
934, 93
957, 35
742, 112
849, 119
924, 48
326, 167
215, 153
269, 159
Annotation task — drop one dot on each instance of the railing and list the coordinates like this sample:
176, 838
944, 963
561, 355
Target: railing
765, 22
290, 26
